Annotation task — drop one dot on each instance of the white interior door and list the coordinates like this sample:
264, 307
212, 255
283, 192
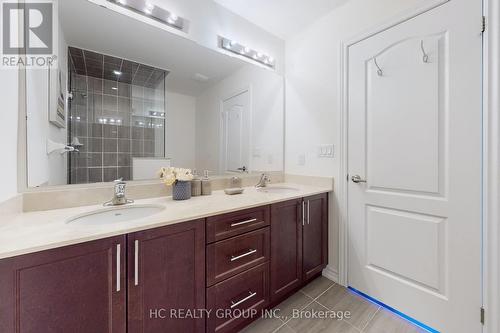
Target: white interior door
414, 135
236, 131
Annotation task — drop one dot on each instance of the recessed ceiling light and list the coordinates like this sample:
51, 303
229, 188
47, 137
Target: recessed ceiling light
117, 72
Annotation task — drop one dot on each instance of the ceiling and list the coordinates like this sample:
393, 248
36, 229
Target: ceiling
283, 18
192, 68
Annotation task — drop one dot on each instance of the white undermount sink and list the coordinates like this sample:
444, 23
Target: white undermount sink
277, 189
116, 214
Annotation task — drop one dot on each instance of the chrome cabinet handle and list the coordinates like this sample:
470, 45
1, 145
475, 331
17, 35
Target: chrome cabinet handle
136, 262
118, 267
303, 213
357, 179
250, 251
235, 304
243, 222
308, 211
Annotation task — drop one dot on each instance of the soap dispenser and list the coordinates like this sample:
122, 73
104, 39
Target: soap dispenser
196, 185
206, 184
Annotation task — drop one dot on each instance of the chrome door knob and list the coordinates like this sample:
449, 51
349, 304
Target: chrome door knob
357, 179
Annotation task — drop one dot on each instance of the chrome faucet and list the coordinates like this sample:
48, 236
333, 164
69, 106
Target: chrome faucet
264, 179
119, 197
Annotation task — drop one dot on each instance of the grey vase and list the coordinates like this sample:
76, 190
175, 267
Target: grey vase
181, 190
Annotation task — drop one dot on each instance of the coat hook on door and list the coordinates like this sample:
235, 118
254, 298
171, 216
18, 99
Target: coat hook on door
379, 70
425, 56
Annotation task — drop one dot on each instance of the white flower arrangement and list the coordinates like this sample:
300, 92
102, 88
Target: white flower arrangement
172, 175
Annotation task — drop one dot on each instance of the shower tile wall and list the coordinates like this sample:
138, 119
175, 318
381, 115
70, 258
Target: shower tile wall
115, 117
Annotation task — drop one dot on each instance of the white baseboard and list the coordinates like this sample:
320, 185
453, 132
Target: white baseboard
331, 273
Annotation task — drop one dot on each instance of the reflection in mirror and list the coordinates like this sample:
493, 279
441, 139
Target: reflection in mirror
128, 98
117, 115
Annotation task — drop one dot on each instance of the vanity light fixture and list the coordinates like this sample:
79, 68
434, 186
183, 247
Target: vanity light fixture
245, 51
146, 8
117, 73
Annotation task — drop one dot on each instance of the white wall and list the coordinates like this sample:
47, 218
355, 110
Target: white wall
312, 86
181, 130
267, 119
8, 129
45, 169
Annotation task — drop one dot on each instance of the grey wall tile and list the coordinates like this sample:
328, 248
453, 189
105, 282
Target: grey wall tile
110, 87
110, 131
110, 145
125, 173
124, 159
124, 145
110, 159
95, 175
110, 103
110, 174
95, 159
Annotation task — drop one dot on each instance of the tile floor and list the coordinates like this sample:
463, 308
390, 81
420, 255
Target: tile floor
324, 295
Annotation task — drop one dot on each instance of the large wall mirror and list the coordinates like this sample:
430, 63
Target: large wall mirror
128, 98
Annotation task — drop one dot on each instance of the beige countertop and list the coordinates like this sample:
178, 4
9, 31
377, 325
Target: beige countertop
36, 231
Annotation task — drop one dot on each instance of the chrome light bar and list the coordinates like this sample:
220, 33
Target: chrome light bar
242, 50
150, 10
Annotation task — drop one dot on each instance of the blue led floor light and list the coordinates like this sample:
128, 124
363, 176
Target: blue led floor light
402, 315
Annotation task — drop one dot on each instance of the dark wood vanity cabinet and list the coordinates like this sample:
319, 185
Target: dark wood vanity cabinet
238, 253
166, 279
78, 288
299, 243
122, 284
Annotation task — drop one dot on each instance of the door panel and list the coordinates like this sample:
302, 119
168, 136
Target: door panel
286, 248
79, 288
170, 268
236, 120
315, 236
414, 96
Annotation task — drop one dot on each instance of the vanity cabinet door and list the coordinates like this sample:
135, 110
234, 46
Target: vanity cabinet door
166, 279
286, 248
315, 235
78, 288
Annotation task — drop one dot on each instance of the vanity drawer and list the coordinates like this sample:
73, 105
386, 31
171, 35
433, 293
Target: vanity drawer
238, 299
234, 255
236, 223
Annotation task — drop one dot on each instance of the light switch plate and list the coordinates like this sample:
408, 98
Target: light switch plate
326, 151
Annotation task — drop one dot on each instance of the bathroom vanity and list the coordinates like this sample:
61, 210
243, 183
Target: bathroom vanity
206, 274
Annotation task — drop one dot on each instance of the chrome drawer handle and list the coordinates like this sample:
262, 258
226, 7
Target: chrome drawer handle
250, 251
243, 222
118, 267
235, 304
136, 262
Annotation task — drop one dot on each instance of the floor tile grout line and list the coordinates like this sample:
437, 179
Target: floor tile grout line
319, 294
347, 321
371, 318
301, 309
